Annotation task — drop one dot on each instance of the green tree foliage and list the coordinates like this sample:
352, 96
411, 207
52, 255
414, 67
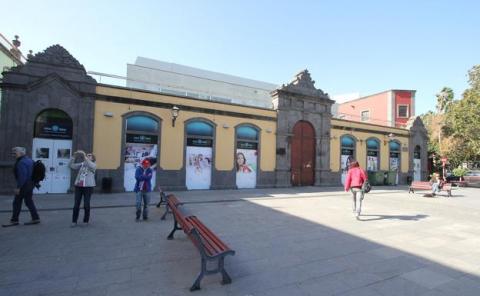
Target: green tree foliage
462, 121
454, 128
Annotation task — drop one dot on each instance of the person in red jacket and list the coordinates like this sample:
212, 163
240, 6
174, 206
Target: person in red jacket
356, 176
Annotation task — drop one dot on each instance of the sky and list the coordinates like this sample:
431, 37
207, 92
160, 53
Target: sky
361, 47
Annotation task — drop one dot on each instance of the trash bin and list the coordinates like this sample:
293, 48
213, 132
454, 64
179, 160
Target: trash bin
391, 177
409, 180
107, 184
379, 178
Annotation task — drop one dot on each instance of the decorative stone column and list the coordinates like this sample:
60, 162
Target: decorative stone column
300, 100
418, 137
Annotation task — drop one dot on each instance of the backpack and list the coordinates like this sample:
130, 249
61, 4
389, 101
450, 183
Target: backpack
366, 187
38, 173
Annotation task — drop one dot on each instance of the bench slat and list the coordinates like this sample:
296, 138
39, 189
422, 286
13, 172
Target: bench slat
212, 244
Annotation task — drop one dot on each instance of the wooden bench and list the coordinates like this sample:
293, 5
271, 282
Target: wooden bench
211, 248
424, 185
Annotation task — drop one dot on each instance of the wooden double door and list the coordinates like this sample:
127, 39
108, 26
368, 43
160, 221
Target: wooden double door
303, 154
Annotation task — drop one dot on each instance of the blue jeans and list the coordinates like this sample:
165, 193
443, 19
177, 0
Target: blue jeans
145, 196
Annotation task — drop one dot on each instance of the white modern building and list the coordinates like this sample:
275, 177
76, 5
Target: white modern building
159, 76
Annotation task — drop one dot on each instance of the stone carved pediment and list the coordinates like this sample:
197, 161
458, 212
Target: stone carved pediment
304, 85
58, 56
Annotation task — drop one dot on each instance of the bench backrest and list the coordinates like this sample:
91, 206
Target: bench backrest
421, 184
180, 214
204, 239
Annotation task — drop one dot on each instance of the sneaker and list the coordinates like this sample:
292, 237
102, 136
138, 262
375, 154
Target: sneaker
145, 218
11, 223
137, 219
32, 222
74, 224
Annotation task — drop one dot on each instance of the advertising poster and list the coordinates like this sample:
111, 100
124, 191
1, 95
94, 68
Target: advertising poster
372, 163
246, 168
394, 166
198, 167
344, 165
134, 154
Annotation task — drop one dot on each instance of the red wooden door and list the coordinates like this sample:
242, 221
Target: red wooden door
303, 154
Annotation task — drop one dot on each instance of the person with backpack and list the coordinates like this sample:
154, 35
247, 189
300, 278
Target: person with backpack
354, 181
23, 171
84, 184
143, 186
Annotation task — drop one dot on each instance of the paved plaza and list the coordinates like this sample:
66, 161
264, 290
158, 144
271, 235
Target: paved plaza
302, 241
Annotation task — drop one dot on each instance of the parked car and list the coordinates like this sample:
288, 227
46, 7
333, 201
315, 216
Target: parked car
472, 178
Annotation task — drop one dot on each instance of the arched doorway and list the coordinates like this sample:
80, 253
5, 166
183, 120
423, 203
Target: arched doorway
141, 142
303, 154
246, 156
199, 151
52, 145
417, 164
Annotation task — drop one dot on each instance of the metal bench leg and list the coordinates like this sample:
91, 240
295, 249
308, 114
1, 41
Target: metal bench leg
225, 277
196, 284
175, 228
165, 214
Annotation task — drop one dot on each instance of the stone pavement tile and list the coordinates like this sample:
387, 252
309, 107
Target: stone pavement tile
327, 285
366, 291
46, 287
464, 286
288, 290
398, 286
99, 279
386, 252
427, 277
355, 279
393, 267
445, 270
325, 267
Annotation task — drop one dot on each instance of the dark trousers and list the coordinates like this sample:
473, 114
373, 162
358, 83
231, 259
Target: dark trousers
86, 193
25, 195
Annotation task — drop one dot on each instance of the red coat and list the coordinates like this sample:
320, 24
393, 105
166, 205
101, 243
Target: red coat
355, 178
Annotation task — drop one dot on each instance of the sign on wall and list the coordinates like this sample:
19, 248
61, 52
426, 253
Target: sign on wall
345, 159
198, 167
135, 153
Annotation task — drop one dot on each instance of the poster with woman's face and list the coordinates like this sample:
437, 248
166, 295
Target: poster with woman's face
344, 165
198, 167
372, 163
246, 168
134, 154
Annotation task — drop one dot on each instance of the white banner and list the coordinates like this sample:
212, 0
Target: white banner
394, 166
372, 163
246, 167
135, 153
198, 167
417, 169
344, 165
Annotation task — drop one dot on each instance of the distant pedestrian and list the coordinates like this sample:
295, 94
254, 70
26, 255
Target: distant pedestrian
436, 183
143, 187
84, 183
23, 170
356, 176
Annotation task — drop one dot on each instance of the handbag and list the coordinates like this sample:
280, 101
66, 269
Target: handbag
366, 187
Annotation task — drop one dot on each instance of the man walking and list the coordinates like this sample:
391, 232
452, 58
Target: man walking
23, 170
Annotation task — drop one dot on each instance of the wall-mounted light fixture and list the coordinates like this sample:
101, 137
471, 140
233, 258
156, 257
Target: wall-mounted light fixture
390, 137
225, 125
268, 130
175, 111
108, 114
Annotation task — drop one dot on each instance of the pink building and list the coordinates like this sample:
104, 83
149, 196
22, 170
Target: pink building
389, 108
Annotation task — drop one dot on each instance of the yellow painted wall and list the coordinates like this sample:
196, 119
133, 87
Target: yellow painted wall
108, 133
374, 131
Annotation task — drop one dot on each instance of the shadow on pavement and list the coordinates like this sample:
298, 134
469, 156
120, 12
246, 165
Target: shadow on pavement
392, 217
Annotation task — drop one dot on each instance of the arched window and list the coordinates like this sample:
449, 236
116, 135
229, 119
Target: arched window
198, 158
417, 152
141, 143
347, 149
394, 148
53, 123
373, 154
246, 156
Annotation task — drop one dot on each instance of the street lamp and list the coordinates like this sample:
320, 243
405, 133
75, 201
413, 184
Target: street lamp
175, 110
